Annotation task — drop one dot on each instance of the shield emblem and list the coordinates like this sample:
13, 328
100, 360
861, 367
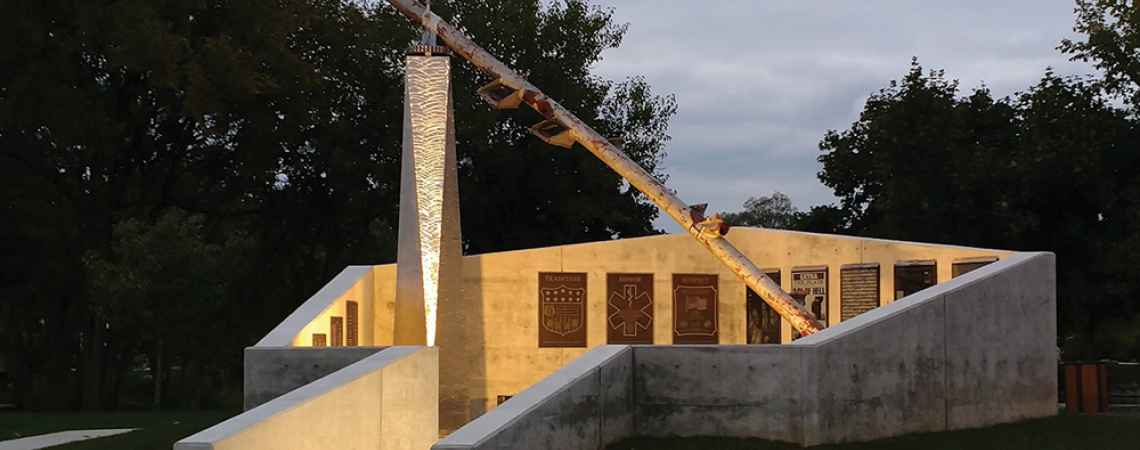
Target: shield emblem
563, 309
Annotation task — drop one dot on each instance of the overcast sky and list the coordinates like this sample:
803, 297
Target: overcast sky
758, 83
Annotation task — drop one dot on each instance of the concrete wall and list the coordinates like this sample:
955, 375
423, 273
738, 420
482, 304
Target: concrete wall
972, 352
584, 405
271, 372
501, 295
976, 351
387, 401
505, 285
752, 391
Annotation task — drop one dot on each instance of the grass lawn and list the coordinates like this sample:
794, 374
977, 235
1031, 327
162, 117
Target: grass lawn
158, 429
1066, 431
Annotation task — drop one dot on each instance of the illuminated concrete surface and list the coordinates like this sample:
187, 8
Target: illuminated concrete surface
429, 272
500, 311
429, 212
584, 405
387, 401
911, 366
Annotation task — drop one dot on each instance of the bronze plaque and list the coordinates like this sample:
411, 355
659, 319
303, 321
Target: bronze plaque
561, 309
319, 340
629, 303
763, 321
336, 330
352, 323
914, 276
858, 289
809, 288
694, 309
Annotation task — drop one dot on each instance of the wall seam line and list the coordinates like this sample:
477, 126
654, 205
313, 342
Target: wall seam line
945, 366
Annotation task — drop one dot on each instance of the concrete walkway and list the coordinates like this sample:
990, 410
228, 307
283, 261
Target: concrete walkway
60, 438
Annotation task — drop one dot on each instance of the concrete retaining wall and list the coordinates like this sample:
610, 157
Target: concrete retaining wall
271, 372
751, 391
975, 351
584, 405
387, 401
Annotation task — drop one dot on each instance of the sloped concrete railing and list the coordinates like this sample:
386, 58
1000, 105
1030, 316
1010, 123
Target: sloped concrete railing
389, 401
971, 352
354, 282
583, 405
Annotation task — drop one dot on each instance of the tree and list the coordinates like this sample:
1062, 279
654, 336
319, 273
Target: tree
279, 122
517, 192
1112, 43
774, 212
1053, 169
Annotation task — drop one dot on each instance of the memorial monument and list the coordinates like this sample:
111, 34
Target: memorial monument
533, 322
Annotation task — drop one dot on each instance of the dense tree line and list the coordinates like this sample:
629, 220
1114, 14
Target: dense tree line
1054, 168
178, 175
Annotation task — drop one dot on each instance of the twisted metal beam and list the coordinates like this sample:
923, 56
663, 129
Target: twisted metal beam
508, 90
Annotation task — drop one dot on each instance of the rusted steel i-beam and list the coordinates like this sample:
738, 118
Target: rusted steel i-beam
509, 90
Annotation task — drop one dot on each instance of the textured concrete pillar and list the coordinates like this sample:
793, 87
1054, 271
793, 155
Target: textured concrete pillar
429, 273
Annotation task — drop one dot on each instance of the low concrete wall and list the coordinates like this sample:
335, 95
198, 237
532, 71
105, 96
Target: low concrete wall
584, 405
975, 351
387, 401
271, 372
747, 391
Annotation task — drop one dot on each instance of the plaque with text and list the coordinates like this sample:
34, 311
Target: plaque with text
914, 276
763, 321
809, 289
629, 303
858, 289
319, 340
694, 309
351, 323
561, 309
336, 331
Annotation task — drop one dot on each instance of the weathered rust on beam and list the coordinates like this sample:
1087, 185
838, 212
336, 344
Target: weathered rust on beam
709, 232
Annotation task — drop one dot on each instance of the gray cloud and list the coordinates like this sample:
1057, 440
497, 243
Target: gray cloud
759, 83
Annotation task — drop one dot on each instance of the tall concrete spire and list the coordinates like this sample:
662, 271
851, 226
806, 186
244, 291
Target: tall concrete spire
429, 273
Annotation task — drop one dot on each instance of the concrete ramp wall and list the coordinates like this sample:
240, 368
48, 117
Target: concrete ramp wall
975, 351
271, 372
584, 405
387, 401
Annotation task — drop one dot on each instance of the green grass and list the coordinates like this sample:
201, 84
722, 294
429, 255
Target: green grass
1066, 431
158, 430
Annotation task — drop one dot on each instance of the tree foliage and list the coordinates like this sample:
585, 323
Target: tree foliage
1052, 169
143, 143
774, 212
